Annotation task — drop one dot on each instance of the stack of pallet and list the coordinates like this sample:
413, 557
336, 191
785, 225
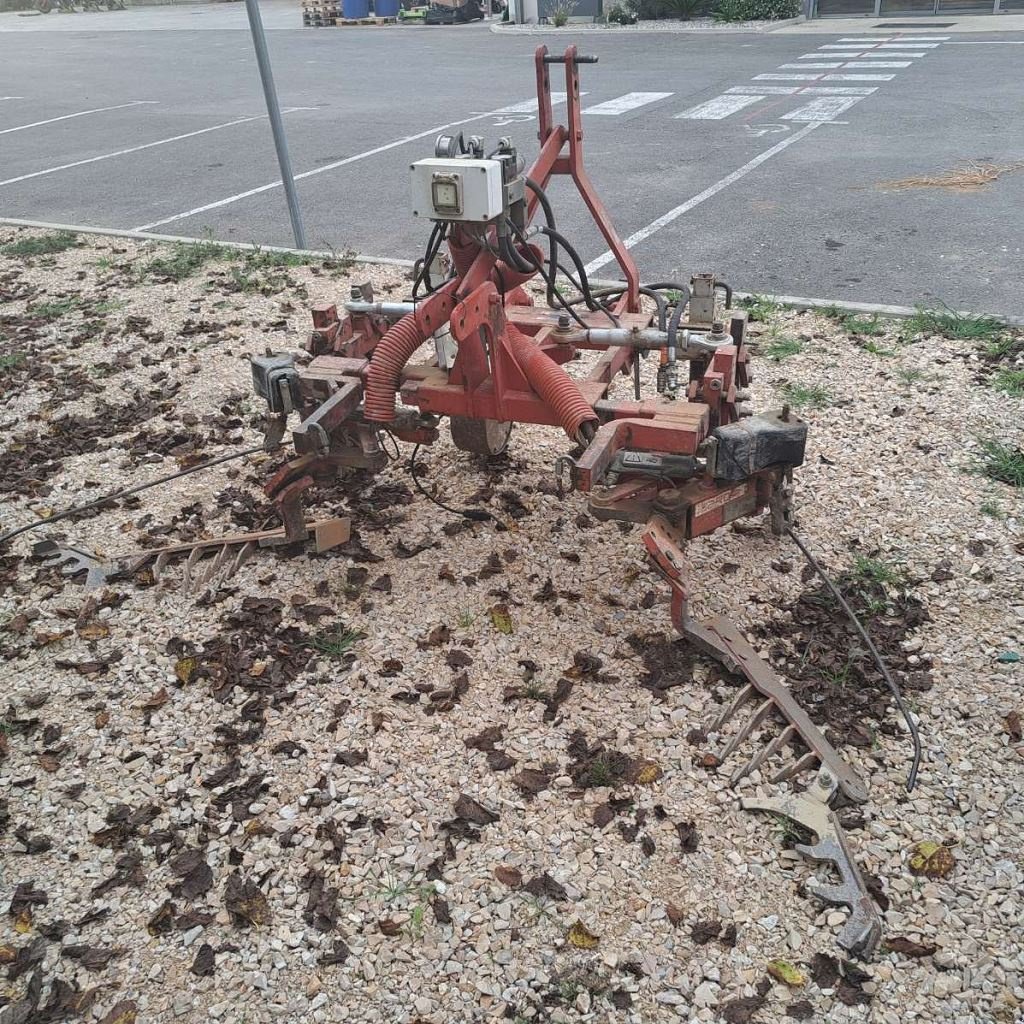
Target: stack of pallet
320, 13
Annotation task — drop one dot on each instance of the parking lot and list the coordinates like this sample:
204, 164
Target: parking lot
763, 157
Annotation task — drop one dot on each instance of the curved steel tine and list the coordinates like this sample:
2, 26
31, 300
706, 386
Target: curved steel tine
765, 753
809, 760
737, 702
756, 719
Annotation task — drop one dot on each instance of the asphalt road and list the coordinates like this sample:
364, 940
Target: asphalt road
776, 194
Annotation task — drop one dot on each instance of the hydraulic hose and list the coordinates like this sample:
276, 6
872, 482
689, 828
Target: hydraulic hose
384, 374
554, 385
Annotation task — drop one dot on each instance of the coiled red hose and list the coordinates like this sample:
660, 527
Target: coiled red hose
553, 384
384, 373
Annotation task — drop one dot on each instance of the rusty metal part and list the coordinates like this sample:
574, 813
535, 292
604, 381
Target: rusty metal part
720, 639
71, 561
863, 929
231, 552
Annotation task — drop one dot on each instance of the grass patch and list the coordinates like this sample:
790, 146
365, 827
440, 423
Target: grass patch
761, 307
42, 245
782, 347
876, 570
991, 508
1000, 348
806, 396
951, 324
186, 259
876, 349
1010, 382
336, 643
53, 310
1003, 462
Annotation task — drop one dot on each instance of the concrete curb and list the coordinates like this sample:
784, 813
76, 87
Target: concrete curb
798, 302
649, 28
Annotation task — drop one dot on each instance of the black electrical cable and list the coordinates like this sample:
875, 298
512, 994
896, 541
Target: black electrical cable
614, 293
128, 491
584, 283
882, 667
598, 305
437, 236
476, 515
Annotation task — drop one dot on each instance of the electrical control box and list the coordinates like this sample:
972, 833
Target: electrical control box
463, 189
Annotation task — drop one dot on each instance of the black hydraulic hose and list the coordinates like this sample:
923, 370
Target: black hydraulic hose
549, 217
128, 491
548, 277
584, 284
612, 293
728, 293
601, 306
677, 316
915, 736
513, 257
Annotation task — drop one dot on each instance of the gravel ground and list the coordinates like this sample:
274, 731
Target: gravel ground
228, 809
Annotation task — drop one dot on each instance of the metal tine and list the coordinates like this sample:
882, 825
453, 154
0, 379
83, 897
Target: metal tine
738, 701
159, 565
218, 561
190, 563
766, 752
756, 719
809, 760
243, 556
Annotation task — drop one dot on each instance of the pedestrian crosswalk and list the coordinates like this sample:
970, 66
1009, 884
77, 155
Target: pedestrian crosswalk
811, 80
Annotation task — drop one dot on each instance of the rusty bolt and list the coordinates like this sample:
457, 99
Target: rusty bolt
718, 327
716, 385
785, 414
355, 294
563, 321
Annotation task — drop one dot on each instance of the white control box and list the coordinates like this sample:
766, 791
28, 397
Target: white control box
457, 189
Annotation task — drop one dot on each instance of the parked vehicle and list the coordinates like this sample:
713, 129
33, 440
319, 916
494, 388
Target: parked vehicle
442, 14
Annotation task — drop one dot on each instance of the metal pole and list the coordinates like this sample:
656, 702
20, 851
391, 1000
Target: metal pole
259, 42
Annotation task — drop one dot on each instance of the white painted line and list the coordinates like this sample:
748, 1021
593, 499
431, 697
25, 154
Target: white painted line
985, 42
720, 106
80, 113
917, 39
630, 101
870, 41
528, 106
762, 90
136, 149
907, 46
798, 67
839, 90
713, 190
878, 64
2, 98
821, 56
836, 46
858, 78
823, 109
786, 78
888, 54
227, 200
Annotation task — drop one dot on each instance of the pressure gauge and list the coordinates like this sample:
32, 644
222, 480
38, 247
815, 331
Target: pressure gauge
446, 194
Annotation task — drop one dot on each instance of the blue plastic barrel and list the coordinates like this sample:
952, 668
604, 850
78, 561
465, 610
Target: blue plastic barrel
386, 8
355, 8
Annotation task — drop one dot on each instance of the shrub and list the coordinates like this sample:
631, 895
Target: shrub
755, 10
560, 11
620, 15
685, 9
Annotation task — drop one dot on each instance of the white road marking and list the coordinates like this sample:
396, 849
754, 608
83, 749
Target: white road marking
713, 190
917, 39
835, 46
136, 149
904, 45
720, 106
878, 64
529, 106
630, 101
786, 78
891, 53
2, 98
758, 90
985, 42
821, 56
857, 78
839, 90
80, 113
823, 109
227, 200
798, 67
871, 41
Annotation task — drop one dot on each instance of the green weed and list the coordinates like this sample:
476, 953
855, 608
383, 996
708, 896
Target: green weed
53, 310
338, 642
42, 245
601, 773
12, 360
1003, 462
876, 349
1001, 347
991, 508
876, 570
761, 307
951, 324
806, 396
908, 375
863, 325
185, 259
782, 347
466, 619
110, 306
